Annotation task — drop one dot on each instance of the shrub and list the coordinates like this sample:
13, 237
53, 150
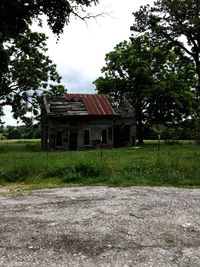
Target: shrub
77, 170
14, 175
88, 168
57, 171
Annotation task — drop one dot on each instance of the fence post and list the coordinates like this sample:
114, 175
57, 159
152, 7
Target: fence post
101, 148
158, 148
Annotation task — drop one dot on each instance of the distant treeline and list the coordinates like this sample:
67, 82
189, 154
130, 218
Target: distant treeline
188, 129
20, 132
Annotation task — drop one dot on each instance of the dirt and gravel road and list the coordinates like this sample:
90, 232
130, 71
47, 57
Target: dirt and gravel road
100, 226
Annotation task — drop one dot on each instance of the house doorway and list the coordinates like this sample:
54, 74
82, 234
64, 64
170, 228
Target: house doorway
73, 140
59, 138
122, 136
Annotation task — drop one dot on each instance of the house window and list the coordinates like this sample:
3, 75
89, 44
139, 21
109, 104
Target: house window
59, 138
86, 137
104, 136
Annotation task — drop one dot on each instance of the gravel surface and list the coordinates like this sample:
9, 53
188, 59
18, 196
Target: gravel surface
100, 226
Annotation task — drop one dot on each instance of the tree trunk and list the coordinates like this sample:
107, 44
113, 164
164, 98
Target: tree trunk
140, 134
197, 62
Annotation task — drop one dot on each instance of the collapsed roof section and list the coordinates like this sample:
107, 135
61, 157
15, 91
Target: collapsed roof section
79, 105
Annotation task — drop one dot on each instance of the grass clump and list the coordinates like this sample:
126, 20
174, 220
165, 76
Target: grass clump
33, 147
170, 240
89, 168
14, 175
2, 150
139, 173
177, 165
79, 171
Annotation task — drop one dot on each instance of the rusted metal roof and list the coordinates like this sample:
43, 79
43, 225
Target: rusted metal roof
96, 104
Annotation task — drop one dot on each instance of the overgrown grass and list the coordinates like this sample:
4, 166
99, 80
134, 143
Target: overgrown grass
23, 164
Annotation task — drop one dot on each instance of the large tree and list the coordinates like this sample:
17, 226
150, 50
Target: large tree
16, 16
174, 21
24, 68
157, 81
30, 73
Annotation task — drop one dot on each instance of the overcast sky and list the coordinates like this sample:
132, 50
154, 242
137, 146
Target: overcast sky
80, 52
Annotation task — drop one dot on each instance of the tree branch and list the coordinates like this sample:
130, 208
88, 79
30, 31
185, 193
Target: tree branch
179, 44
89, 16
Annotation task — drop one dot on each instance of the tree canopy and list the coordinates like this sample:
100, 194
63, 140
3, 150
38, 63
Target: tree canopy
20, 132
16, 16
176, 22
159, 82
25, 70
29, 74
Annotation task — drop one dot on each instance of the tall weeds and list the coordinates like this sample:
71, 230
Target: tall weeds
176, 166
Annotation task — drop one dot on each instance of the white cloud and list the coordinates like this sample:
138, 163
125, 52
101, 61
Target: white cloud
83, 47
8, 118
80, 52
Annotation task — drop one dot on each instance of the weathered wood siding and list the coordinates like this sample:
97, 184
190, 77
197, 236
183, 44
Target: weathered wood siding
67, 126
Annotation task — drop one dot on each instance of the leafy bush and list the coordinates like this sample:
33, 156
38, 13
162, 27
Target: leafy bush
89, 168
57, 171
14, 175
169, 134
76, 171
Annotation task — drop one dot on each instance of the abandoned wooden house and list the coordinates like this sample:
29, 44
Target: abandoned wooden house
82, 121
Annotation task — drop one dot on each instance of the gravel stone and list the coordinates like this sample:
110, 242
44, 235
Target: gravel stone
100, 226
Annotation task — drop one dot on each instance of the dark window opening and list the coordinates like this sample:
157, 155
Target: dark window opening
104, 136
86, 137
59, 138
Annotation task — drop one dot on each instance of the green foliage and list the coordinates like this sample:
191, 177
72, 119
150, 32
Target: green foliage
175, 23
24, 12
28, 76
90, 168
77, 171
137, 171
2, 150
33, 147
159, 82
170, 240
177, 165
188, 129
20, 132
14, 175
26, 72
170, 135
59, 171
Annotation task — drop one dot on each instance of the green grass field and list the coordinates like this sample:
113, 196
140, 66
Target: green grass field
23, 165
